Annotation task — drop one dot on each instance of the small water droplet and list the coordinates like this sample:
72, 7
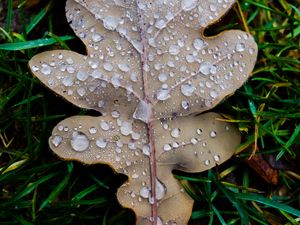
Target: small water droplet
108, 66
104, 125
124, 67
144, 192
162, 77
167, 147
56, 140
198, 43
194, 141
205, 68
79, 142
240, 47
187, 5
101, 143
96, 37
213, 134
160, 190
187, 89
46, 70
115, 114
68, 81
185, 105
93, 130
163, 94
199, 131
81, 75
217, 158
174, 49
146, 150
126, 128
207, 162
175, 133
135, 176
160, 24
110, 22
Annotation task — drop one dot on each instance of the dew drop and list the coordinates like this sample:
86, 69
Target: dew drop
101, 143
163, 94
146, 150
56, 140
162, 77
194, 141
96, 37
110, 22
174, 49
185, 105
104, 125
124, 67
108, 66
199, 131
126, 128
240, 47
175, 133
198, 44
187, 5
142, 111
46, 70
213, 134
79, 142
160, 190
187, 89
115, 114
68, 81
81, 75
207, 162
167, 147
93, 130
101, 103
217, 158
160, 24
205, 68
144, 192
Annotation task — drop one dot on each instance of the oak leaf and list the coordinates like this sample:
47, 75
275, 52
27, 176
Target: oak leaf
150, 71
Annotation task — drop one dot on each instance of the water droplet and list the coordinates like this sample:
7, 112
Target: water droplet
81, 91
159, 221
146, 150
108, 66
163, 94
56, 140
142, 111
251, 51
187, 89
207, 162
217, 158
101, 103
110, 22
198, 43
126, 128
174, 49
213, 134
199, 131
162, 77
34, 68
185, 104
144, 192
194, 141
160, 24
187, 5
175, 144
213, 94
82, 76
104, 125
96, 37
175, 133
46, 70
167, 147
135, 176
93, 130
205, 68
240, 47
124, 67
79, 142
115, 114
101, 143
212, 8
68, 81
160, 190
96, 74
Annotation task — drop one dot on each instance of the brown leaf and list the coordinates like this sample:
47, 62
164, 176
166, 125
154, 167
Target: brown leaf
149, 70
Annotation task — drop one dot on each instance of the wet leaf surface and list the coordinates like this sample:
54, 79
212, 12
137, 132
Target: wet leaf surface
150, 71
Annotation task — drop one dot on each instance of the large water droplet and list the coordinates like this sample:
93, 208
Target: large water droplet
68, 81
205, 68
104, 125
187, 5
79, 142
167, 147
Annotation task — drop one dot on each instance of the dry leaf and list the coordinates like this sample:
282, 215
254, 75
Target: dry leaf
149, 70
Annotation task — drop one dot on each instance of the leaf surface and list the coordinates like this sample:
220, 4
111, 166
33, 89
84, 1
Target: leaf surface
149, 70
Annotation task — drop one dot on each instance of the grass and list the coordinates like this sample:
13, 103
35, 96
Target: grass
38, 188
